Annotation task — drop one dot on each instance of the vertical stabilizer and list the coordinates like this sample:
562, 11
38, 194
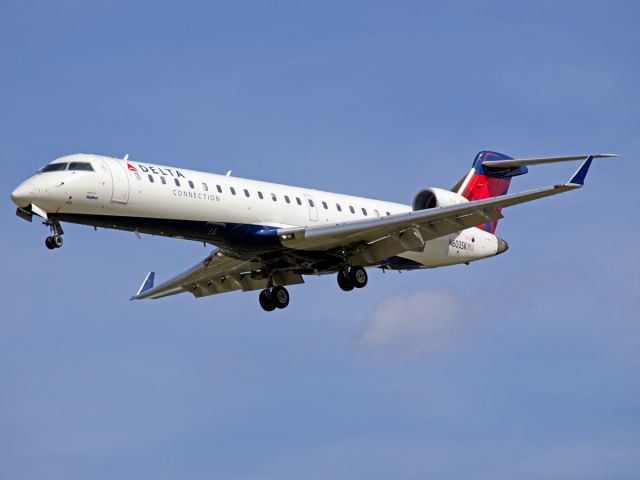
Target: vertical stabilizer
485, 182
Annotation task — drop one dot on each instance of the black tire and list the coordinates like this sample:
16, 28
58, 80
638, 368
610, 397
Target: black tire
57, 241
344, 282
280, 297
266, 301
358, 277
49, 243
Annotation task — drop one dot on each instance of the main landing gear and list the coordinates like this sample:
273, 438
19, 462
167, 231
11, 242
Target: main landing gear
278, 297
272, 298
54, 240
353, 277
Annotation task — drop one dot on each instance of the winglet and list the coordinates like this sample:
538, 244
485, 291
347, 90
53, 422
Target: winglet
147, 284
579, 176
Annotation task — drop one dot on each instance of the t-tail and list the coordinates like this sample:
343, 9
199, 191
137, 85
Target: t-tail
492, 172
486, 182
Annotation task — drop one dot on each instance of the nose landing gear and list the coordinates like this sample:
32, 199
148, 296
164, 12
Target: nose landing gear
54, 240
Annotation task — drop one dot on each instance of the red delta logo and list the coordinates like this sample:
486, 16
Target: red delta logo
131, 167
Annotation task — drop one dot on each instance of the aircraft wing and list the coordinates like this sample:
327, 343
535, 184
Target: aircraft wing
374, 240
377, 238
217, 273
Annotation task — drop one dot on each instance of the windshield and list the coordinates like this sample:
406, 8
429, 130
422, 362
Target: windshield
74, 166
53, 167
81, 166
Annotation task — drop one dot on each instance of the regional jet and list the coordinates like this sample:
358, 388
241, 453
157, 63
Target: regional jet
268, 236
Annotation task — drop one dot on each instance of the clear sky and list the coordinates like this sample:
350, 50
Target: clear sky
523, 366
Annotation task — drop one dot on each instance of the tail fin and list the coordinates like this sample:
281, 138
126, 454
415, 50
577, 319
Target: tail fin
486, 182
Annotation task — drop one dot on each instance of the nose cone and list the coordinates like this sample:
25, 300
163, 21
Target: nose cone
22, 196
502, 246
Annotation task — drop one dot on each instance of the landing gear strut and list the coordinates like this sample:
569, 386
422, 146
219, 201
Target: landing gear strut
54, 240
353, 277
272, 298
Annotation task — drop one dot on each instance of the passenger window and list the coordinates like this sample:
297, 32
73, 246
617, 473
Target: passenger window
177, 182
246, 193
137, 175
324, 204
364, 211
273, 197
287, 199
298, 201
311, 204
219, 188
260, 196
191, 184
205, 187
151, 178
338, 207
233, 190
80, 166
353, 210
163, 180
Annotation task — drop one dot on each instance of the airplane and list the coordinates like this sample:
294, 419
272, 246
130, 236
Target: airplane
269, 236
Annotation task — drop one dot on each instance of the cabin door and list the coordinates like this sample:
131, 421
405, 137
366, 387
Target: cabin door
119, 180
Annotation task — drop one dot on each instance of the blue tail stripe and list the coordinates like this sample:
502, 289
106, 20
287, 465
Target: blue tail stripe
148, 283
580, 175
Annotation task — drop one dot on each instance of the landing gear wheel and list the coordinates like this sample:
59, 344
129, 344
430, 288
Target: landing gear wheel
358, 277
266, 301
344, 282
55, 239
280, 297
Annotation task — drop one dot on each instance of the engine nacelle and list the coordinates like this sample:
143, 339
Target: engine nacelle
436, 197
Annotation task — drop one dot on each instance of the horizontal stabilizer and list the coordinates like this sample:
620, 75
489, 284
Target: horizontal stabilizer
537, 161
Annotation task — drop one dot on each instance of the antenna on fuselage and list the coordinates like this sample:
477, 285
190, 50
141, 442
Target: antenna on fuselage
228, 174
126, 157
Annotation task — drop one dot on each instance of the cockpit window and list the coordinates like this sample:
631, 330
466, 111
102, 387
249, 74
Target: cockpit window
81, 166
53, 167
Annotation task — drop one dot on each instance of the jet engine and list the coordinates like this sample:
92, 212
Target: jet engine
436, 197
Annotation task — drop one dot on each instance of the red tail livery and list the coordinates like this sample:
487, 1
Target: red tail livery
484, 181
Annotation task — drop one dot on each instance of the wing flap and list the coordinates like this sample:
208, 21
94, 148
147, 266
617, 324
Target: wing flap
433, 223
217, 273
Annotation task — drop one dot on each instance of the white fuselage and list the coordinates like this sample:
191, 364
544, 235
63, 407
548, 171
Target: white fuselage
217, 209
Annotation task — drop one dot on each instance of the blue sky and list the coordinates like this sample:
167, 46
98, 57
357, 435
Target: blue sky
525, 366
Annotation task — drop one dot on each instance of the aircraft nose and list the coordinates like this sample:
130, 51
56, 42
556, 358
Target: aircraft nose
21, 196
502, 246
